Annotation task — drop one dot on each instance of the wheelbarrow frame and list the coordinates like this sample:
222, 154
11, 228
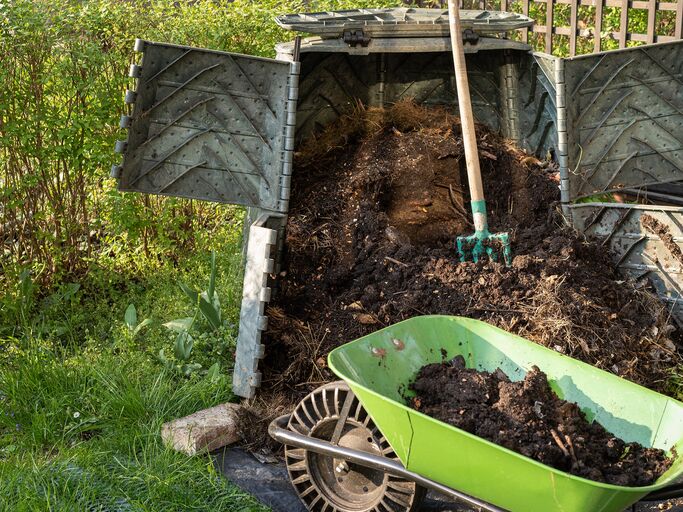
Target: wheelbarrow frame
278, 430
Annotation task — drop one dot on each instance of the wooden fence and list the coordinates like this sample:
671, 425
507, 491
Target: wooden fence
571, 27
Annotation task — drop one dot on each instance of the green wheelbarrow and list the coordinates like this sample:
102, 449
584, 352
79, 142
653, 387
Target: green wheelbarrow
355, 445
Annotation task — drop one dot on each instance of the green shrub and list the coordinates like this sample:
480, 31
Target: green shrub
63, 74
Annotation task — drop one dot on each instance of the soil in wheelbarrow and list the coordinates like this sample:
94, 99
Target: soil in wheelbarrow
378, 199
529, 418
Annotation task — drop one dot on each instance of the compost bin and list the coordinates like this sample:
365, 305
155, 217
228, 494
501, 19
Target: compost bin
222, 127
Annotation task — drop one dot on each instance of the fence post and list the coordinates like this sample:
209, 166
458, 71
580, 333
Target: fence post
573, 22
623, 23
651, 17
597, 41
549, 8
678, 32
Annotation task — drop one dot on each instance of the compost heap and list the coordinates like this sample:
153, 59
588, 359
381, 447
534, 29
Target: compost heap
377, 200
529, 418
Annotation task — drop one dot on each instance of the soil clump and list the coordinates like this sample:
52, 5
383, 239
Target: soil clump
528, 417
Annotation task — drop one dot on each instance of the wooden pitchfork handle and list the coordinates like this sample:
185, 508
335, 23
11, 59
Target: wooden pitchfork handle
469, 138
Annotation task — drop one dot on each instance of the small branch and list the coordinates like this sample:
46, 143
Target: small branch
559, 442
571, 447
392, 260
497, 310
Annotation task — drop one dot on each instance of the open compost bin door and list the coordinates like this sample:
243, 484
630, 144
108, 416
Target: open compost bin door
219, 127
625, 155
209, 125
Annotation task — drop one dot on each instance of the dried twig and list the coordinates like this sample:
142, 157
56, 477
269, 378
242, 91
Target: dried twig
559, 442
392, 260
571, 447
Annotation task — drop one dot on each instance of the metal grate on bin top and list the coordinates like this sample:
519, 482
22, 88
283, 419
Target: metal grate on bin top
400, 22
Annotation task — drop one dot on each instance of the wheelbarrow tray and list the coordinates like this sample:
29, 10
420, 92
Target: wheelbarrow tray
379, 368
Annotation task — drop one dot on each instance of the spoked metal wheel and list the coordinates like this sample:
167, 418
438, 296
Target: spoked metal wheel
329, 484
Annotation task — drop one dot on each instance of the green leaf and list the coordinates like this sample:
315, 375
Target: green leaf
210, 313
25, 284
215, 303
179, 324
131, 317
70, 290
144, 323
191, 293
212, 279
187, 369
214, 373
183, 346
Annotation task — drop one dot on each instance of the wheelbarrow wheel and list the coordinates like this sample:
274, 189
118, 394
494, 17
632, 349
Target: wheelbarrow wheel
330, 484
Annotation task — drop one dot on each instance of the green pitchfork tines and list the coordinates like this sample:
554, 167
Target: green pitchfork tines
483, 243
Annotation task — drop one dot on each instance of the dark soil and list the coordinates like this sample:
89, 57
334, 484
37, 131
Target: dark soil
657, 228
529, 418
378, 200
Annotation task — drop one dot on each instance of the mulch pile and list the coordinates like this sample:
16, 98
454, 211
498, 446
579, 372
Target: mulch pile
529, 418
377, 201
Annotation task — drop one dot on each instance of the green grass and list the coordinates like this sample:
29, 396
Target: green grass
82, 400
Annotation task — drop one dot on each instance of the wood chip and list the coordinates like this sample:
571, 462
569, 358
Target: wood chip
355, 306
366, 319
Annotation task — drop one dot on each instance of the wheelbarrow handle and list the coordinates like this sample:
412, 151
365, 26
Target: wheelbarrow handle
278, 430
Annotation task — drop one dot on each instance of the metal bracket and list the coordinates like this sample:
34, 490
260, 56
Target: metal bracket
355, 37
470, 36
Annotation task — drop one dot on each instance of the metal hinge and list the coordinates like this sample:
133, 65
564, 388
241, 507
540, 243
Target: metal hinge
470, 36
355, 37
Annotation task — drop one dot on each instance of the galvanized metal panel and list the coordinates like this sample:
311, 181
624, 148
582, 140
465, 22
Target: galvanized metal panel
625, 118
400, 22
638, 250
208, 125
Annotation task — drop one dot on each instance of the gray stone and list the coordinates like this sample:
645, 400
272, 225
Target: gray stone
203, 431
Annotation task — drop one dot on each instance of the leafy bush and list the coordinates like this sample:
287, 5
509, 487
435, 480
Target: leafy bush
63, 74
